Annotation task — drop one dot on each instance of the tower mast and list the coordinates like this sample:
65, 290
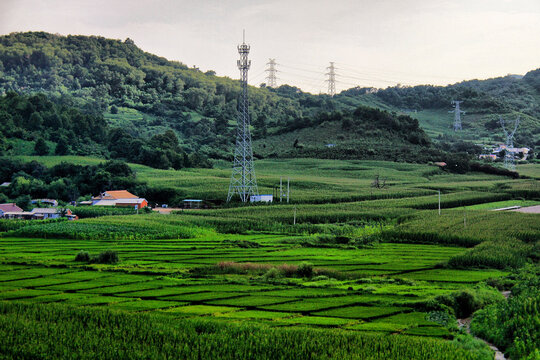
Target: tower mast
271, 78
243, 180
509, 160
457, 115
331, 79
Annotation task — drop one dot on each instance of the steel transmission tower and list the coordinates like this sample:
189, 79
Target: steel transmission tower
509, 161
457, 115
243, 180
331, 79
271, 78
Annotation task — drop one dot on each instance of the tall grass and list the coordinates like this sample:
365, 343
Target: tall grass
53, 332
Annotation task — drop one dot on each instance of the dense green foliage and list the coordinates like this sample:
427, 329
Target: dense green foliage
514, 324
69, 182
145, 96
92, 333
36, 118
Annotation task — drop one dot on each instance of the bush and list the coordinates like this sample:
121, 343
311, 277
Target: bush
107, 257
83, 256
272, 274
305, 270
513, 325
463, 303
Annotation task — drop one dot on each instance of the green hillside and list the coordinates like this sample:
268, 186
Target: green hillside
146, 95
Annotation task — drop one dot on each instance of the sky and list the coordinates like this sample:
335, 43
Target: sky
375, 43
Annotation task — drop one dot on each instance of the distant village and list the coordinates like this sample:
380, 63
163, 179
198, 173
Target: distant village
499, 151
114, 198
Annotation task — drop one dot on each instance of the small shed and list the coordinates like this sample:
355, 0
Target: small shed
192, 204
268, 198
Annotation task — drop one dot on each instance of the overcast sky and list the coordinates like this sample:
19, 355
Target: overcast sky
373, 42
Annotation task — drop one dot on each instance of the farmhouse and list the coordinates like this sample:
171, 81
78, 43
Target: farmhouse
120, 198
9, 208
50, 202
49, 213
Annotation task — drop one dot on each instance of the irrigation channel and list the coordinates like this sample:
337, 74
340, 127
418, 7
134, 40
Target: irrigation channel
467, 323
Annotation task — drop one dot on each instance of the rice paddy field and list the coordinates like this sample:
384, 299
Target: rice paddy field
342, 264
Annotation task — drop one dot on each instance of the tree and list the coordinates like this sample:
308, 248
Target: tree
41, 148
24, 202
62, 148
35, 121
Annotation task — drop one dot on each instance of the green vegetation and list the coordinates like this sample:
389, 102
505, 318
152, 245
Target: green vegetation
95, 333
513, 324
74, 132
164, 114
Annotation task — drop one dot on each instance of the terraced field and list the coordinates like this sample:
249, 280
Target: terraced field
378, 288
343, 259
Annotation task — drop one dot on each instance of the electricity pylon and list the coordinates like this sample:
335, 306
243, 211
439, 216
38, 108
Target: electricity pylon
271, 78
331, 79
509, 161
243, 180
457, 115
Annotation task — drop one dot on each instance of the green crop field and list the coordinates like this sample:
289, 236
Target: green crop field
342, 259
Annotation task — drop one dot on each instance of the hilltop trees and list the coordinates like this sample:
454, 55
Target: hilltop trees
37, 118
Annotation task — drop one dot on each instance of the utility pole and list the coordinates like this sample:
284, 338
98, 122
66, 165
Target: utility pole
243, 180
509, 161
331, 79
439, 202
457, 115
280, 188
271, 79
288, 188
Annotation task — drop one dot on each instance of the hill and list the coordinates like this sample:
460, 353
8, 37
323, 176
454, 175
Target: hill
146, 95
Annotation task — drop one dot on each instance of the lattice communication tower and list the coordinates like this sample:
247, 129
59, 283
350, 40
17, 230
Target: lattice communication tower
243, 180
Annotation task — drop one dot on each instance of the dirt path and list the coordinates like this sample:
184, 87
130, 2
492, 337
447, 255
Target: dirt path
529, 209
466, 323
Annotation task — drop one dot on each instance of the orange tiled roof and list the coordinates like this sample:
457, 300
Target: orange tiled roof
115, 195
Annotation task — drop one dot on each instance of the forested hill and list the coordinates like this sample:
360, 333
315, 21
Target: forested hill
146, 95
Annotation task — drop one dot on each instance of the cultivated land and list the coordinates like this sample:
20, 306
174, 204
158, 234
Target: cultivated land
364, 264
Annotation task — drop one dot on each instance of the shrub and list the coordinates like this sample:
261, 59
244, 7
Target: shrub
107, 257
463, 303
82, 256
271, 274
513, 325
305, 270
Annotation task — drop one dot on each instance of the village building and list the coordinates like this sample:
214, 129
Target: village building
50, 202
268, 198
9, 208
50, 213
192, 204
120, 198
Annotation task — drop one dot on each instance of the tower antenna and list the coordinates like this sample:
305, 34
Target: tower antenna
509, 159
457, 115
331, 79
243, 180
271, 78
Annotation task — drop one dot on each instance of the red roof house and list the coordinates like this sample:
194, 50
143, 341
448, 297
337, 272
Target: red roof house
11, 208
